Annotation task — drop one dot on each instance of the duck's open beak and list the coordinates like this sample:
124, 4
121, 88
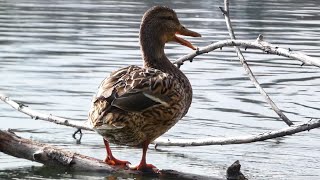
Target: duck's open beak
186, 32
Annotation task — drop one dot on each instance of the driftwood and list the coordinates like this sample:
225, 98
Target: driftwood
48, 155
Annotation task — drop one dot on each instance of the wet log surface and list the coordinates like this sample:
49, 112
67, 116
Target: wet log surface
52, 156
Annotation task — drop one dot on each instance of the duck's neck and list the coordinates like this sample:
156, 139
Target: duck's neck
152, 47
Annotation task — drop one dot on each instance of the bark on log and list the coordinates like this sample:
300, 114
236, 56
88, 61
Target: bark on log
48, 155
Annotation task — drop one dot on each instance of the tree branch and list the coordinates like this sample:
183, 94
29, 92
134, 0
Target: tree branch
226, 13
312, 124
46, 117
255, 44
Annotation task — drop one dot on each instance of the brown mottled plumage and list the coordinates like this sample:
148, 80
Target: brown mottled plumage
135, 105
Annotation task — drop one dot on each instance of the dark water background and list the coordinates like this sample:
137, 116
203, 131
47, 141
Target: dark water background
54, 54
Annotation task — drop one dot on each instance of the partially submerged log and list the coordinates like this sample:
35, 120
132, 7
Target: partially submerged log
19, 147
48, 155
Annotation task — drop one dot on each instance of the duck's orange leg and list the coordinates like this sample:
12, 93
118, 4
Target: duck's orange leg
112, 160
143, 166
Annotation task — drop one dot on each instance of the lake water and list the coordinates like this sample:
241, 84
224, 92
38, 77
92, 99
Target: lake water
54, 54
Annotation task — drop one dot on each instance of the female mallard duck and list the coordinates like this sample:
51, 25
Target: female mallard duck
135, 105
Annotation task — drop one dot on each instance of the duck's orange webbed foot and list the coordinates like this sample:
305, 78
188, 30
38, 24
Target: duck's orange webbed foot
145, 168
112, 160
116, 162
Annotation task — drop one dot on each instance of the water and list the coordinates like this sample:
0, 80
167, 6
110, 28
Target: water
54, 54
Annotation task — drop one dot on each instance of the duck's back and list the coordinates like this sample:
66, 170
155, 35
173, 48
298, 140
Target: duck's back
136, 104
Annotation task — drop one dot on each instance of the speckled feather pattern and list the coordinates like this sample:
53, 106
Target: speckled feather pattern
136, 104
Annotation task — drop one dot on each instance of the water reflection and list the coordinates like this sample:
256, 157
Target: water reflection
54, 54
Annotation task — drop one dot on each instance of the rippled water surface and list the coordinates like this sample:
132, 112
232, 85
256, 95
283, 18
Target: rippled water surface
54, 54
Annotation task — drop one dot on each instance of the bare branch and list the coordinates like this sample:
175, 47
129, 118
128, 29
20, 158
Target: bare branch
255, 44
248, 70
240, 139
38, 115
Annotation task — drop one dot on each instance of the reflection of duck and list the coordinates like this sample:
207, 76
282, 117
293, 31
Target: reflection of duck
136, 105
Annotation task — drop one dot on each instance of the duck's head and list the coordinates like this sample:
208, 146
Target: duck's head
161, 25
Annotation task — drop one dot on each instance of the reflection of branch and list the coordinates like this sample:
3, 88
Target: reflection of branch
175, 142
240, 139
14, 145
226, 14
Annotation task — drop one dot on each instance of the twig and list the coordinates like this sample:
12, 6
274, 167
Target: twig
190, 142
38, 115
248, 70
14, 145
78, 131
240, 139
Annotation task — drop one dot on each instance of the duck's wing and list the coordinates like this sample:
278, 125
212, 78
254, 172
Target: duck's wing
136, 89
132, 89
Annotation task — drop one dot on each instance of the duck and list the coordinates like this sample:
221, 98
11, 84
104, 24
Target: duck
135, 105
